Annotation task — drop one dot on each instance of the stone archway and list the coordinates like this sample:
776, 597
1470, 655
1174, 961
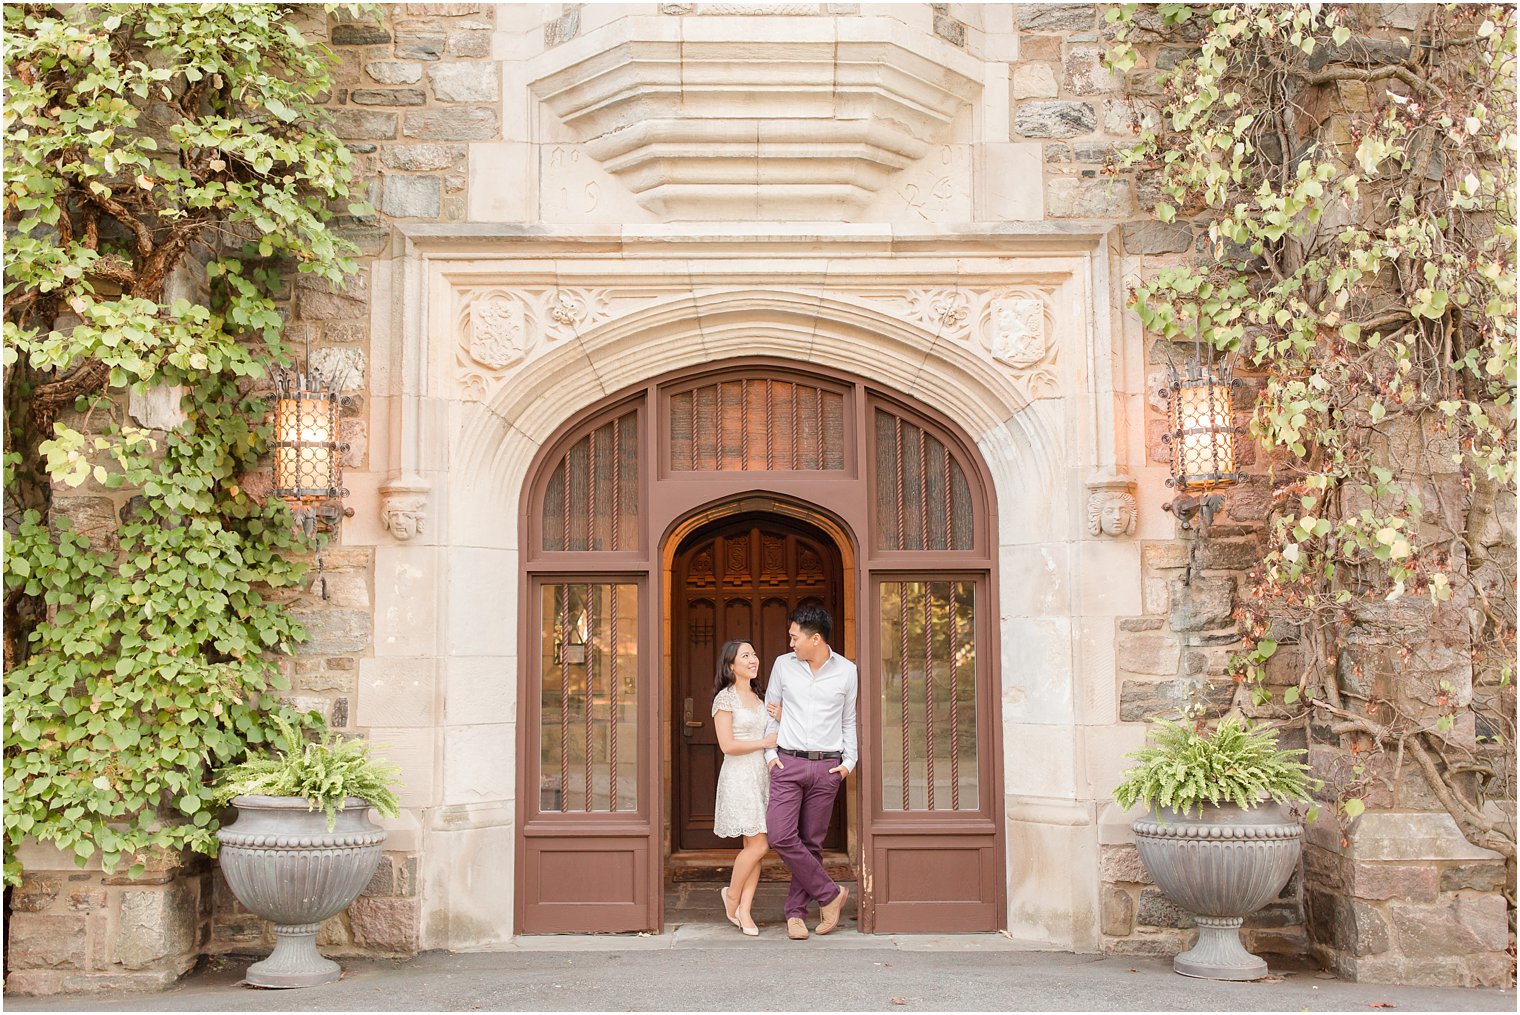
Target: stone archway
916, 318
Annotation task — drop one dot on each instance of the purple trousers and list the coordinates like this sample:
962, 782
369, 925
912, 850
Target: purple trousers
796, 820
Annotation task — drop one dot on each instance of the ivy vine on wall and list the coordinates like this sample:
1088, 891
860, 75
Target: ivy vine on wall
1356, 184
165, 167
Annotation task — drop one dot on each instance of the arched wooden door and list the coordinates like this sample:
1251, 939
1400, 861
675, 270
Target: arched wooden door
908, 501
739, 580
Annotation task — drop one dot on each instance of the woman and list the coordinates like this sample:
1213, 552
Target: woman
743, 784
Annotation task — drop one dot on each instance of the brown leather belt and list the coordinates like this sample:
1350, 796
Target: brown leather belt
812, 755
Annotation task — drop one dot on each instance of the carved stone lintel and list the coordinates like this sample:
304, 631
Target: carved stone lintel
1111, 507
403, 506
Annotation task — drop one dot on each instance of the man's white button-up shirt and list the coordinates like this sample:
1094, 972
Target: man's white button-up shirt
817, 709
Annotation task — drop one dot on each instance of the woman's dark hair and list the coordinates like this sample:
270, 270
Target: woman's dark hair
725, 677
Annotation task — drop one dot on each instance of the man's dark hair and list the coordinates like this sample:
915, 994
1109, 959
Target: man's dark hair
811, 618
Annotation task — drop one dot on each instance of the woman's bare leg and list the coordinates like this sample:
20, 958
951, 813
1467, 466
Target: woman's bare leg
755, 848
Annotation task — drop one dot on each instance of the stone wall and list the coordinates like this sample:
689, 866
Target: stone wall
83, 931
1405, 899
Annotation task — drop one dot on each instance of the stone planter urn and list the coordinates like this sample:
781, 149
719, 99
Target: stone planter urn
1221, 866
283, 864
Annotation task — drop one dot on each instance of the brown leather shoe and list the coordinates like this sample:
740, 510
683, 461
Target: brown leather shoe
796, 929
829, 915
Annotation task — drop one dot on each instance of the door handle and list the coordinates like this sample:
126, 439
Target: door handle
691, 723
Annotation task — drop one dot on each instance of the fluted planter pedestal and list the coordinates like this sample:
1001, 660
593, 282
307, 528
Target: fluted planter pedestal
283, 864
1221, 866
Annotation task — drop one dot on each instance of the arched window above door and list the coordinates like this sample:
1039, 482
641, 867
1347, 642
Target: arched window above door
591, 502
923, 501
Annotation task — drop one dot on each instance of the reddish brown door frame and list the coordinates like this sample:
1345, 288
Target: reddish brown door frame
671, 505
748, 598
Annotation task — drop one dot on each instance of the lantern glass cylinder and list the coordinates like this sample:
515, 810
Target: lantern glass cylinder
306, 458
1203, 431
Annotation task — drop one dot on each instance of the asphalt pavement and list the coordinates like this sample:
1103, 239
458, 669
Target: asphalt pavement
714, 968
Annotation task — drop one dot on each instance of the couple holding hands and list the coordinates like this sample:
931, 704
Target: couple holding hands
785, 758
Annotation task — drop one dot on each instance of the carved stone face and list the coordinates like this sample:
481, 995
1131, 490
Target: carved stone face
404, 519
1117, 516
1111, 513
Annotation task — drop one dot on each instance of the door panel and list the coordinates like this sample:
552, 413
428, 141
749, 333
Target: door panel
935, 883
934, 841
750, 573
586, 836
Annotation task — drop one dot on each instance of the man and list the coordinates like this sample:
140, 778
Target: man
815, 750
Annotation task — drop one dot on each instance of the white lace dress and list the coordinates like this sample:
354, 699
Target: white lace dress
743, 783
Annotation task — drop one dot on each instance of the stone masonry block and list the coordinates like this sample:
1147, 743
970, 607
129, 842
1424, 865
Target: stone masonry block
1412, 835
1034, 81
1156, 910
470, 43
394, 72
453, 124
423, 157
1410, 882
364, 125
1456, 927
47, 942
1118, 912
1055, 119
1480, 877
388, 97
36, 893
412, 196
950, 30
1148, 653
85, 898
1206, 603
1122, 864
360, 34
1351, 927
562, 29
91, 517
156, 924
1085, 73
464, 82
421, 47
334, 631
1054, 17
1157, 237
385, 924
1075, 197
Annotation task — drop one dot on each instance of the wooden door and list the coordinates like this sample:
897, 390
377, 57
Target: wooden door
738, 581
933, 836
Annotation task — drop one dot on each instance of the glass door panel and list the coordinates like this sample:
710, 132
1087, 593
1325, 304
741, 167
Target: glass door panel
589, 717
929, 696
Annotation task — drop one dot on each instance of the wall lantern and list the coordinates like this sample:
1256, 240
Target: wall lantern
1201, 432
308, 457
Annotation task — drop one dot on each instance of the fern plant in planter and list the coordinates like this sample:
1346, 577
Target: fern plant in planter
1216, 838
303, 847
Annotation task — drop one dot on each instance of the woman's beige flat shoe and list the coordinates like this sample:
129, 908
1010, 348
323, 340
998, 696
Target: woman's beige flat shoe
723, 894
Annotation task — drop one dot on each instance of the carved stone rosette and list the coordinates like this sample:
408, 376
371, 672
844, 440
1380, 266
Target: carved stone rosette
403, 506
498, 329
1111, 506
